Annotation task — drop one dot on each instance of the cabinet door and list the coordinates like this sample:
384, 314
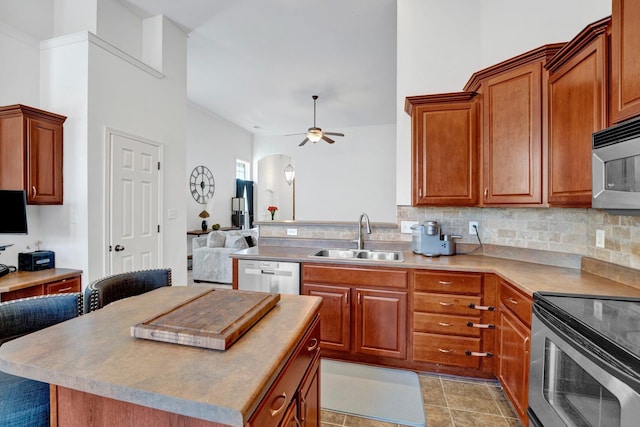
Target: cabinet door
625, 65
513, 360
290, 418
512, 136
445, 154
44, 170
335, 314
579, 83
309, 398
381, 323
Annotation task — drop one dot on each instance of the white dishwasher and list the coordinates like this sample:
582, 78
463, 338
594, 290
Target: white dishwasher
269, 276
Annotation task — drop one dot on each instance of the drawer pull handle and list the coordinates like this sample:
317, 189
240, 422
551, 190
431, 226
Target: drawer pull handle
478, 354
64, 289
314, 344
480, 325
442, 282
445, 304
444, 324
282, 396
34, 193
482, 307
512, 301
444, 350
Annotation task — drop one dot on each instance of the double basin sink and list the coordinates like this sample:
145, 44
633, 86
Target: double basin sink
359, 254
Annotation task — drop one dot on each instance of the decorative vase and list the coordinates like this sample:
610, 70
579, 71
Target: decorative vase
273, 214
204, 225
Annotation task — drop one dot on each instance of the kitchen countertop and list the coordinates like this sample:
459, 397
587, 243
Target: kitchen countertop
95, 353
527, 276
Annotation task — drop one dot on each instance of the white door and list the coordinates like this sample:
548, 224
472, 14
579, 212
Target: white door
134, 206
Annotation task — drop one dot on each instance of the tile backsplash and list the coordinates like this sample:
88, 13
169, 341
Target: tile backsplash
550, 229
570, 231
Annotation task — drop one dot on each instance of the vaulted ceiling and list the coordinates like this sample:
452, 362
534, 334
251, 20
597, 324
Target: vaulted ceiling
258, 62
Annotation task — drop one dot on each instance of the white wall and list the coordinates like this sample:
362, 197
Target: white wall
19, 84
439, 48
99, 88
337, 182
215, 143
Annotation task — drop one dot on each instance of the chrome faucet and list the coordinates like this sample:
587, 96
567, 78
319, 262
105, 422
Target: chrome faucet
360, 239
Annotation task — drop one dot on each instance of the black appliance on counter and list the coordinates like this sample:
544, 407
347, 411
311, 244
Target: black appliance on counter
585, 361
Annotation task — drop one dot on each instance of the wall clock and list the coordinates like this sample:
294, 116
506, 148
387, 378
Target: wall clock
202, 184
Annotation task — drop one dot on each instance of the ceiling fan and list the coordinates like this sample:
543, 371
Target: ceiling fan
315, 134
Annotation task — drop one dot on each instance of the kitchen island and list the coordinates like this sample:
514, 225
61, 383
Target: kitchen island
101, 375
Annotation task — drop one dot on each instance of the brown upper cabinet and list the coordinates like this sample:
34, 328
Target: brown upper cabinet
577, 108
31, 153
444, 149
625, 62
512, 95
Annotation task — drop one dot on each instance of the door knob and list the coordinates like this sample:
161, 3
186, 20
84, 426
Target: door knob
119, 248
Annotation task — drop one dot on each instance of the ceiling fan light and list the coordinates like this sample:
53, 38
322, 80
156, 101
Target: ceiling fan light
314, 135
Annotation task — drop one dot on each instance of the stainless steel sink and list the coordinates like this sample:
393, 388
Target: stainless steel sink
359, 254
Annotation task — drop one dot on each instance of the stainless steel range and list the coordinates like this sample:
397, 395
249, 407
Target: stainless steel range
585, 361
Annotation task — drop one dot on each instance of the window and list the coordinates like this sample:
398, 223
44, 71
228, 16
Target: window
242, 170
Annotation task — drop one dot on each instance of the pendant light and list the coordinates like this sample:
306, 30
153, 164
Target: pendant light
289, 173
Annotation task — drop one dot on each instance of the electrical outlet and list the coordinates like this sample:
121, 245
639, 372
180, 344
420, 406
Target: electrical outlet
292, 231
405, 226
472, 228
599, 238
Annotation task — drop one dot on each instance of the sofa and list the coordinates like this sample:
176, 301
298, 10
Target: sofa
210, 253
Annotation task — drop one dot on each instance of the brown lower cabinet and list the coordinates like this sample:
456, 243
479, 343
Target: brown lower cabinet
24, 284
513, 346
461, 323
364, 310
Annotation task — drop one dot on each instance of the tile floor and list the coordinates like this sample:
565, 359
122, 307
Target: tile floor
448, 402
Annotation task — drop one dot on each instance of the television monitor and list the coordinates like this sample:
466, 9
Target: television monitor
13, 212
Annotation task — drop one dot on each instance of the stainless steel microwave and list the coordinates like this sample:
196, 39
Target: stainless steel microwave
615, 167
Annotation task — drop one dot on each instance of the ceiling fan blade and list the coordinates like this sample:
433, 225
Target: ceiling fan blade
303, 142
294, 134
326, 138
334, 133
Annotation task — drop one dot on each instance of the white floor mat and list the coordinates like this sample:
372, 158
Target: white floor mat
383, 394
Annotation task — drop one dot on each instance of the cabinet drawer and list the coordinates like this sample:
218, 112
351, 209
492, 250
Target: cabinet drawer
63, 286
446, 303
516, 302
446, 350
455, 283
272, 407
22, 293
445, 324
355, 276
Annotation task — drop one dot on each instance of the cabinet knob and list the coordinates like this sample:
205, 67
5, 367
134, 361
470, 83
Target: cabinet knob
480, 325
482, 307
478, 354
276, 411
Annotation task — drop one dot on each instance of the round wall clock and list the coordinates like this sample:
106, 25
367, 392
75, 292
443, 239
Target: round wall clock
202, 184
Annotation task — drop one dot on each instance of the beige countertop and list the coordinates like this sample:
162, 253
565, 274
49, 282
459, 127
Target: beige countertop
528, 276
96, 353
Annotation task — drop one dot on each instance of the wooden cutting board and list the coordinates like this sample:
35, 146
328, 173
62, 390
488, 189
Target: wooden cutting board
215, 319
